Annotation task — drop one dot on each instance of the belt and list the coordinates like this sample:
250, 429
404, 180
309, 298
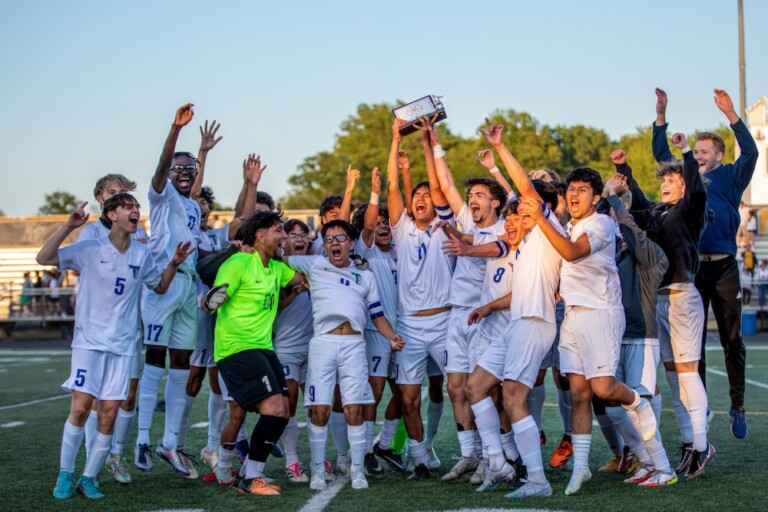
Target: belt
713, 257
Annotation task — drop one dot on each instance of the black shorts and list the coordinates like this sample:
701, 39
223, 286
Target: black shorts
252, 376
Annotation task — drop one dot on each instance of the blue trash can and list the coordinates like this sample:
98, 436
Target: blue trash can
748, 323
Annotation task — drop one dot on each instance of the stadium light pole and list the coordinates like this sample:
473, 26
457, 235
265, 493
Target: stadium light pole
742, 66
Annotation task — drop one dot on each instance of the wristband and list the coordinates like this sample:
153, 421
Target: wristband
374, 199
494, 169
438, 151
686, 149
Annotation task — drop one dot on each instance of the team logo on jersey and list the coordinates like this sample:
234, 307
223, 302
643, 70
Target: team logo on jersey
135, 269
358, 277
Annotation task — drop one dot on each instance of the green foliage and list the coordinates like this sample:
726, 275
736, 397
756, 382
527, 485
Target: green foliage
58, 202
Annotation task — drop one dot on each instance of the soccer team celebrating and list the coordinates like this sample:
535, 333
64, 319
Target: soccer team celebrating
481, 291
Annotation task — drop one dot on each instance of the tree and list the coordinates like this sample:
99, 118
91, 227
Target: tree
58, 202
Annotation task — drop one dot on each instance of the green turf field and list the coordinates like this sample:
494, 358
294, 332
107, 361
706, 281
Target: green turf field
735, 480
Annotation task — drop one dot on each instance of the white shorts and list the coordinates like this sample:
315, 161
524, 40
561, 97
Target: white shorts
136, 363
170, 320
492, 359
424, 336
337, 359
590, 341
638, 363
102, 375
476, 350
378, 352
680, 317
458, 341
529, 342
202, 356
294, 366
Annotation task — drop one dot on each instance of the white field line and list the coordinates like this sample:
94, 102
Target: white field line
320, 500
11, 352
33, 402
748, 381
12, 424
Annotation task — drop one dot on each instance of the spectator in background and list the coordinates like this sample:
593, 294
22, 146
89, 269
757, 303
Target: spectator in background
741, 235
26, 300
746, 285
38, 297
762, 282
748, 259
54, 291
751, 227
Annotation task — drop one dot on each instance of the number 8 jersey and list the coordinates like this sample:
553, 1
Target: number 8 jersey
111, 282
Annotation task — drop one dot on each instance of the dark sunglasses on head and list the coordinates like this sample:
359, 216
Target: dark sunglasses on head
339, 238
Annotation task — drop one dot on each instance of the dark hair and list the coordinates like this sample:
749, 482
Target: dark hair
123, 199
561, 187
185, 153
421, 184
669, 167
257, 221
348, 228
329, 203
510, 208
358, 218
493, 186
292, 223
717, 140
547, 191
586, 175
206, 194
265, 198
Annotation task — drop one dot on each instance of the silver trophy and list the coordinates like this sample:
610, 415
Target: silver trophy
411, 112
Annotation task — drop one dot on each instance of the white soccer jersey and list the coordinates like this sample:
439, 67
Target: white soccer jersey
292, 329
384, 267
174, 219
98, 229
111, 283
499, 275
469, 273
214, 239
592, 281
537, 275
338, 294
423, 270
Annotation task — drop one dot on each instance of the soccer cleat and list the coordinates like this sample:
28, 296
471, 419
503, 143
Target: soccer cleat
577, 480
642, 474
738, 423
343, 464
210, 458
612, 466
542, 438
87, 487
295, 474
562, 454
462, 466
626, 461
521, 474
660, 479
142, 457
241, 447
420, 472
531, 490
358, 480
188, 461
317, 482
686, 454
643, 420
328, 471
65, 486
277, 451
393, 460
116, 464
478, 477
699, 462
434, 461
225, 476
172, 458
257, 487
372, 465
494, 478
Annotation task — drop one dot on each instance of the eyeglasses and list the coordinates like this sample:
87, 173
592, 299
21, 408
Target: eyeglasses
191, 169
339, 238
298, 235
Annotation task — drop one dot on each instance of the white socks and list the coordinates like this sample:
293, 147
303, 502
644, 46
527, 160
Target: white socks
509, 446
434, 413
189, 401
339, 433
631, 436
565, 407
90, 430
683, 419
356, 436
611, 433
581, 444
148, 386
317, 439
694, 397
175, 402
528, 442
388, 433
71, 440
217, 409
290, 440
467, 443
370, 430
536, 403
418, 451
254, 469
123, 426
99, 450
487, 421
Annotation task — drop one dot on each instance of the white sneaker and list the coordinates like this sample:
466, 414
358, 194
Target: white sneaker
577, 479
343, 464
116, 465
463, 465
317, 482
187, 461
210, 458
296, 474
494, 478
434, 461
642, 474
224, 475
660, 479
531, 490
479, 476
358, 480
643, 420
172, 458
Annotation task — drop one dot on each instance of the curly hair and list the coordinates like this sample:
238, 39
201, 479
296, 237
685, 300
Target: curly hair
493, 186
206, 194
358, 218
257, 221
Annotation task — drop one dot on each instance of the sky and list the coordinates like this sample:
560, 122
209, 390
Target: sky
91, 87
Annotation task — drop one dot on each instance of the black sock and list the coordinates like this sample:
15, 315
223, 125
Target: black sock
266, 433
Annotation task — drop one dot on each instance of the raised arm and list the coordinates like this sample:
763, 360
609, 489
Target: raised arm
485, 158
372, 212
49, 255
429, 140
252, 171
516, 172
404, 165
569, 250
443, 174
744, 166
695, 198
639, 201
345, 210
395, 202
207, 142
659, 144
183, 117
